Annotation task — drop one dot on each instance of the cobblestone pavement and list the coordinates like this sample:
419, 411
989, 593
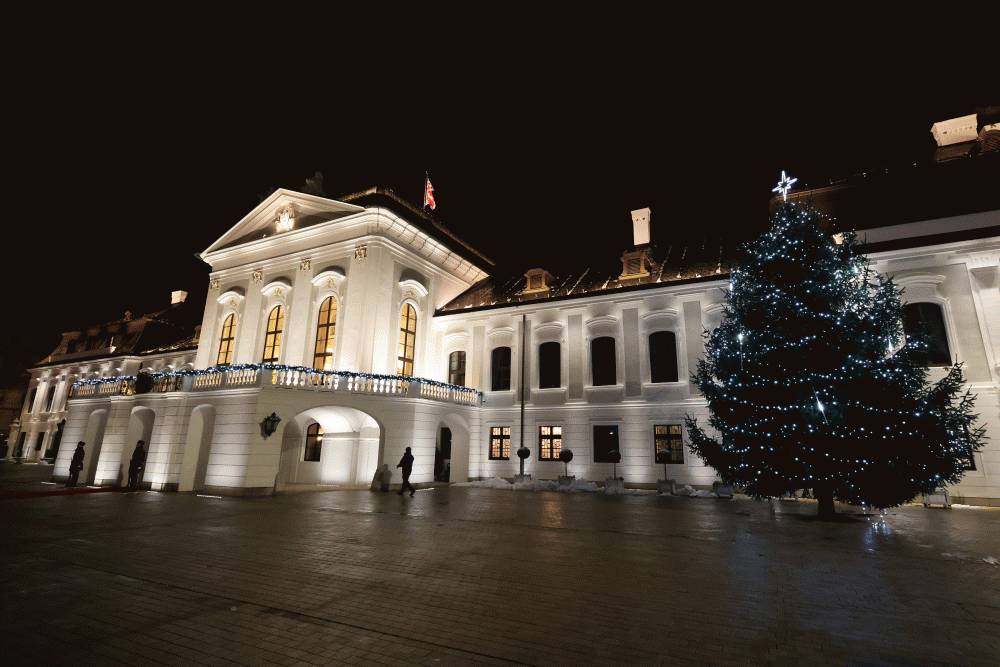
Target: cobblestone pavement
466, 575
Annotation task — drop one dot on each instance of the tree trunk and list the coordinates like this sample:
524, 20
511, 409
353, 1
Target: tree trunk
824, 494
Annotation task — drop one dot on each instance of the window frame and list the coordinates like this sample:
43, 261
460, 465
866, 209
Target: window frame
227, 335
948, 343
494, 368
550, 436
313, 443
558, 364
274, 331
614, 362
593, 442
328, 327
406, 339
497, 435
649, 353
679, 439
454, 372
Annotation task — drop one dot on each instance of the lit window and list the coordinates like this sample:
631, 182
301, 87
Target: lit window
926, 321
456, 368
668, 443
314, 442
226, 339
272, 341
549, 443
325, 335
662, 357
500, 369
602, 361
407, 340
548, 366
499, 443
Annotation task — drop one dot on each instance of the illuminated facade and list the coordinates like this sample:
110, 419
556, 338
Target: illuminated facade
367, 327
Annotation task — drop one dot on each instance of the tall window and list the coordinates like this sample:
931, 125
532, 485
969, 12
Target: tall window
500, 369
272, 341
51, 396
605, 442
549, 443
548, 365
31, 399
456, 368
314, 442
226, 339
662, 357
602, 361
325, 334
407, 340
668, 443
927, 320
499, 443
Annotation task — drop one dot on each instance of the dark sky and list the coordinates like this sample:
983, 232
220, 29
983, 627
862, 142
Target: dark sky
133, 151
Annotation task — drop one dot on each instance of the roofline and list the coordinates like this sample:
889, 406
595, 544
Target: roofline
82, 360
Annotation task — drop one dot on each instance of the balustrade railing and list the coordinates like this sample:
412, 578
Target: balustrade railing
283, 377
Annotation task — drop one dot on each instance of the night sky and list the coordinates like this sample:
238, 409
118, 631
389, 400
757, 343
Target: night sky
120, 178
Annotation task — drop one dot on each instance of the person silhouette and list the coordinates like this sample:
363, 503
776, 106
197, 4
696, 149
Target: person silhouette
406, 463
75, 466
137, 464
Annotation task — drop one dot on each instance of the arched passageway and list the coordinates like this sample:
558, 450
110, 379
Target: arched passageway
93, 438
330, 447
197, 448
140, 427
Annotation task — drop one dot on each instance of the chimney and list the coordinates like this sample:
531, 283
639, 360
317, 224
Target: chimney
178, 296
537, 281
635, 262
955, 130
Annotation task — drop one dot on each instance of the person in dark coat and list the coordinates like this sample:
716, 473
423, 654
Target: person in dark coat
406, 463
76, 465
136, 465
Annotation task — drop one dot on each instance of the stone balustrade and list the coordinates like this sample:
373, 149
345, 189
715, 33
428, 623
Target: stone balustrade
286, 378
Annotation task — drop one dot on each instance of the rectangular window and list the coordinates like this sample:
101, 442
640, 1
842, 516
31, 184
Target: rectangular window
456, 368
668, 443
549, 365
50, 398
549, 443
605, 442
31, 399
314, 443
969, 463
499, 443
500, 369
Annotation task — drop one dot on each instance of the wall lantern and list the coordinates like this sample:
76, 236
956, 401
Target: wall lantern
269, 425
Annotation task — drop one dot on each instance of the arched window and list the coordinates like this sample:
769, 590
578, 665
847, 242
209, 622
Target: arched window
662, 357
927, 321
314, 442
548, 365
500, 369
602, 361
226, 339
407, 340
272, 341
456, 368
325, 334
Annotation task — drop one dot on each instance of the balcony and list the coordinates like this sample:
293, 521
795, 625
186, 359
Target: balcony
286, 377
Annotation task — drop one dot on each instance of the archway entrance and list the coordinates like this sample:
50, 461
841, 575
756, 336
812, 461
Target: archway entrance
442, 455
140, 427
93, 438
330, 447
197, 446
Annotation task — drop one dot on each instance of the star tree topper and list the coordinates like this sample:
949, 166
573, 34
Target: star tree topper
784, 185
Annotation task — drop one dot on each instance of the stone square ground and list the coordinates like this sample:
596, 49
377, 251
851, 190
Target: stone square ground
469, 575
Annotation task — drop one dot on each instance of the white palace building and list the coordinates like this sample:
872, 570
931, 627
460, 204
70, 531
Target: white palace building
364, 326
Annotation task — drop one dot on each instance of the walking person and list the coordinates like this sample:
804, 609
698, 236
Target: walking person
136, 465
75, 466
406, 463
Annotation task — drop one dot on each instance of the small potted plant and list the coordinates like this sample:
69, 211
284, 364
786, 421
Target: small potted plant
665, 486
614, 484
566, 456
522, 453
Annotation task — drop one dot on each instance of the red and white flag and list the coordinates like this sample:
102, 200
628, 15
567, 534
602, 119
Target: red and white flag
429, 193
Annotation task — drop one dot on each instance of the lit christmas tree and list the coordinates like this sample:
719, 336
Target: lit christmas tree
811, 382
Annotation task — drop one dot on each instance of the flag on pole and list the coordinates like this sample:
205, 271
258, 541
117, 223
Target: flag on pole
428, 193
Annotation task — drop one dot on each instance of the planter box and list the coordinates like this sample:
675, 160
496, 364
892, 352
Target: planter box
521, 478
939, 497
614, 486
566, 480
665, 487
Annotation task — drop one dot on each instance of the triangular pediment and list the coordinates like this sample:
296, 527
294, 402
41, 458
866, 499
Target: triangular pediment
266, 218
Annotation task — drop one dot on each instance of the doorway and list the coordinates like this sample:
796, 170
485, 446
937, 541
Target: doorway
442, 456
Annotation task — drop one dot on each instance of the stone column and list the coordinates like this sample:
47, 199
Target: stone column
575, 352
693, 341
631, 350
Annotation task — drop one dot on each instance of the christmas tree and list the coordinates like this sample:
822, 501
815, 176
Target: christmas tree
812, 383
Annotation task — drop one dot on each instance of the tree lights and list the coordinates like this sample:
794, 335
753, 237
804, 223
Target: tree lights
812, 383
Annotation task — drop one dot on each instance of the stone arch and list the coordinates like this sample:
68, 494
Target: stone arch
460, 443
197, 448
93, 438
353, 442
